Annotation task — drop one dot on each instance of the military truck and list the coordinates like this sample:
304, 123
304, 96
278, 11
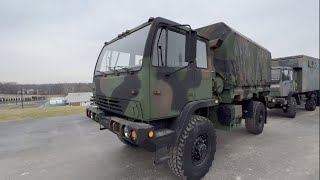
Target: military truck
294, 79
165, 87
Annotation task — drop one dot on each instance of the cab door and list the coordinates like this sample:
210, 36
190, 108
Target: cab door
292, 83
171, 77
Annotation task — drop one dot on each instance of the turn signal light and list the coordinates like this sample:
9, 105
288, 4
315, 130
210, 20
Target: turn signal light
134, 134
151, 134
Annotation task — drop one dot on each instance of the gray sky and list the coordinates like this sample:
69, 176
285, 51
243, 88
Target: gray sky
59, 41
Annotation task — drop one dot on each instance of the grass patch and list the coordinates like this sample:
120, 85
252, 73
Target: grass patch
35, 113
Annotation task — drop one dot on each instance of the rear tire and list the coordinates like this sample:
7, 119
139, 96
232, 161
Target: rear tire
193, 154
311, 103
126, 142
290, 111
255, 124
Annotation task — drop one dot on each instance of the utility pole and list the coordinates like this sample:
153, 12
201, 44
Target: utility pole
22, 97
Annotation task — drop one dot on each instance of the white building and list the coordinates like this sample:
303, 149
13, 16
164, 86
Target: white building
78, 99
57, 101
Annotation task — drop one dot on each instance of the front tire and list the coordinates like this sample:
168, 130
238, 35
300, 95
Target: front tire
255, 124
290, 111
193, 154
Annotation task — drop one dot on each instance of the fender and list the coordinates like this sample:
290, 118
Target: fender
182, 120
247, 108
295, 95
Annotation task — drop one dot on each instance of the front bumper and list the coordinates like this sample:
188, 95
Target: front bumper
161, 138
275, 102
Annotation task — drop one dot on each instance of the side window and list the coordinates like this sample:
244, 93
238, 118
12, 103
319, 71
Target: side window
159, 48
176, 50
285, 75
201, 57
138, 59
169, 49
290, 75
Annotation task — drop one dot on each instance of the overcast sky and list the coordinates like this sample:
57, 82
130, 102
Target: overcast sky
59, 41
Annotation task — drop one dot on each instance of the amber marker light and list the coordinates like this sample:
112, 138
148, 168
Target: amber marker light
151, 134
134, 134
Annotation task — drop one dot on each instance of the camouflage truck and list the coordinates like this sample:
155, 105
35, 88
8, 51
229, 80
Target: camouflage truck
166, 87
294, 79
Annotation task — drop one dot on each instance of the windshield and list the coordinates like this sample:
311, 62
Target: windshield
125, 53
275, 74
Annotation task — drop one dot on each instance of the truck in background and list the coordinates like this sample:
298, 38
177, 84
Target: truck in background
295, 79
166, 87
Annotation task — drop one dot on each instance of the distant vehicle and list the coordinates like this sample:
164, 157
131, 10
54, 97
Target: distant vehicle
164, 86
294, 79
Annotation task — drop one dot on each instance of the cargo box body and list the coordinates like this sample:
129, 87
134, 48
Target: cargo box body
307, 71
244, 65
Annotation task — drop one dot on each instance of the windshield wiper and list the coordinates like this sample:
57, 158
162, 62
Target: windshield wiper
102, 72
128, 70
113, 69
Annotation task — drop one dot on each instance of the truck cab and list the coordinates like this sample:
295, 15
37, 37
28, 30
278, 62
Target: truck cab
283, 90
282, 81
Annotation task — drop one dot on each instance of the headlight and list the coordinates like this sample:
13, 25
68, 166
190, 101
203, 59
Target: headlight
273, 100
126, 132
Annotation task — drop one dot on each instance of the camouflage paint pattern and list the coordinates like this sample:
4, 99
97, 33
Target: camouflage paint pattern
236, 71
307, 71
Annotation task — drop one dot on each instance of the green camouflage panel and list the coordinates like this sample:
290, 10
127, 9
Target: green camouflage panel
306, 68
170, 94
243, 64
123, 94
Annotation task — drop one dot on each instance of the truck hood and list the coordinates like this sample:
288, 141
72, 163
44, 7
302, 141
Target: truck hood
119, 94
119, 87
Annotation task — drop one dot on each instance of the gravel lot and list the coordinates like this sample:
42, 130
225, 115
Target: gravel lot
72, 147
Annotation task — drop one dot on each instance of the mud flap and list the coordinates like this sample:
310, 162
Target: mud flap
247, 108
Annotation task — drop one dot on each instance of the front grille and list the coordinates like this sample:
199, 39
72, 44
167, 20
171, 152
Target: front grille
109, 104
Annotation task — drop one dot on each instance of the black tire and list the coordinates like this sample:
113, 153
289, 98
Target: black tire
311, 103
318, 101
290, 111
255, 124
193, 154
126, 142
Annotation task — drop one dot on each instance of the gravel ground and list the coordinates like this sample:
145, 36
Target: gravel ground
72, 147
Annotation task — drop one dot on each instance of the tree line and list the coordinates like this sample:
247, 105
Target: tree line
44, 89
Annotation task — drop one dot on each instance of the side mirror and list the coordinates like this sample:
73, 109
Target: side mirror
191, 46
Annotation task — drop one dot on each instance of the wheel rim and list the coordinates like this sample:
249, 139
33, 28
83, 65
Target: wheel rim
200, 149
